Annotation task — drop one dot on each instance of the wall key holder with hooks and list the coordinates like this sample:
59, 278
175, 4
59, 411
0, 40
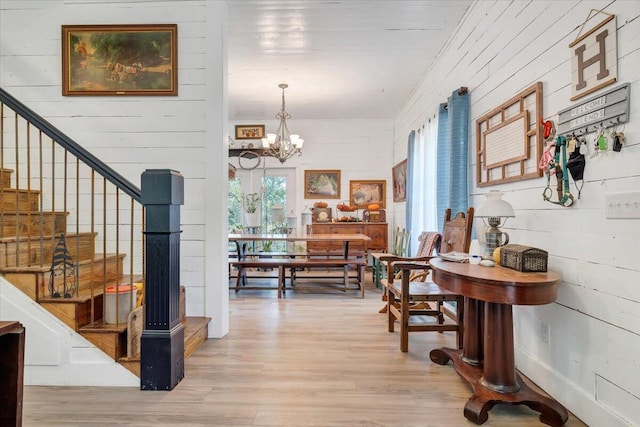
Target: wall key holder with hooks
605, 110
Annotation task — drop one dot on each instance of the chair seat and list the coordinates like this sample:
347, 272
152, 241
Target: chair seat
423, 291
377, 255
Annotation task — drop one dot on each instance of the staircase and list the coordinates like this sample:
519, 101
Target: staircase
85, 223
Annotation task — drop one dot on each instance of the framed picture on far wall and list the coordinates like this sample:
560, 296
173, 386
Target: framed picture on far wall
321, 215
249, 131
399, 175
120, 60
322, 184
363, 193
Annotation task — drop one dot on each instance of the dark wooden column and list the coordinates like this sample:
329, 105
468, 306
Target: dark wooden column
499, 372
162, 342
473, 346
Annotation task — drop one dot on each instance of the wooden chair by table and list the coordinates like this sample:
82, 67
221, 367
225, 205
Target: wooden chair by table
429, 241
399, 247
404, 295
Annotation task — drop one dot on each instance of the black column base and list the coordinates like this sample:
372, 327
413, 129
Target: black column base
162, 358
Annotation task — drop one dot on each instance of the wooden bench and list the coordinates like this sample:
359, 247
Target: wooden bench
308, 254
295, 263
293, 255
241, 280
345, 264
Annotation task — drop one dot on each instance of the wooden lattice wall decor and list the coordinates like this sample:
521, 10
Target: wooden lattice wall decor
509, 139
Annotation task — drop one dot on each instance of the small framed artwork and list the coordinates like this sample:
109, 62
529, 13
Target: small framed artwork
363, 193
322, 184
321, 215
120, 60
399, 175
249, 131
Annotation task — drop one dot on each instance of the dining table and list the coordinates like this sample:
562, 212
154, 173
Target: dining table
242, 240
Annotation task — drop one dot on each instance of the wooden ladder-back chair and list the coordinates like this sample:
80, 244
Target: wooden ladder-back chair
399, 247
429, 242
405, 295
376, 267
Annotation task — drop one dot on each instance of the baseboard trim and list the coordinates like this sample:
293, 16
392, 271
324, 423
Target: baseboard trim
577, 400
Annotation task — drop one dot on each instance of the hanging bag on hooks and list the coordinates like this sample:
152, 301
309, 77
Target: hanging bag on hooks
565, 198
575, 164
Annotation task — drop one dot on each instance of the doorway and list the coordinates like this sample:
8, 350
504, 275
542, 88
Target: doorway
274, 187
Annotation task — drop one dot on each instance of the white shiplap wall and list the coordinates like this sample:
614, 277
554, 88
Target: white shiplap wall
132, 134
185, 133
360, 149
591, 364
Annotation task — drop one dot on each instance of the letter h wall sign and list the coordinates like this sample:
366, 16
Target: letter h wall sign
594, 57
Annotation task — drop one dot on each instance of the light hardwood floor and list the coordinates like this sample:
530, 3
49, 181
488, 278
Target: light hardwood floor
317, 358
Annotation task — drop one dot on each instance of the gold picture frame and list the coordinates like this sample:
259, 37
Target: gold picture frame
399, 181
362, 193
321, 215
322, 184
117, 60
249, 131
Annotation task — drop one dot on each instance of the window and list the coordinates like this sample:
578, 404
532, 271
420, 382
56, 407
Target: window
423, 183
274, 187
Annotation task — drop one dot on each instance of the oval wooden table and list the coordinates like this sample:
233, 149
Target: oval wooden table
486, 360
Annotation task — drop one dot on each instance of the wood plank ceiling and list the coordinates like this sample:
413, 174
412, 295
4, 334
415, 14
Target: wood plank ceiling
350, 59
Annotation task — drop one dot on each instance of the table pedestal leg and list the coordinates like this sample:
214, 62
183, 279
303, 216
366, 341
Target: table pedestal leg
472, 352
497, 381
472, 347
499, 364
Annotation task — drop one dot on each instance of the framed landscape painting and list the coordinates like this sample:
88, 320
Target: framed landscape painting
322, 184
364, 193
399, 175
119, 60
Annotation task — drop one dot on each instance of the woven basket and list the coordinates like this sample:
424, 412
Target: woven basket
523, 258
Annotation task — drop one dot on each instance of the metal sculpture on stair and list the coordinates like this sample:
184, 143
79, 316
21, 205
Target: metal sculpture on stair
62, 266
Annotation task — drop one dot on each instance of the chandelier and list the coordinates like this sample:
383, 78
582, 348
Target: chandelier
282, 145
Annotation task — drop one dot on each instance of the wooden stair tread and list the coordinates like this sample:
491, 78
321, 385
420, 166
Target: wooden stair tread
107, 328
192, 326
20, 190
52, 238
84, 295
195, 333
33, 213
47, 268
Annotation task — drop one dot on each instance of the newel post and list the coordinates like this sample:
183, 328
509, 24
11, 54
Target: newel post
162, 342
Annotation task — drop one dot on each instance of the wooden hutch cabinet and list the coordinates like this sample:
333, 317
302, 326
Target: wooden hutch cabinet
376, 230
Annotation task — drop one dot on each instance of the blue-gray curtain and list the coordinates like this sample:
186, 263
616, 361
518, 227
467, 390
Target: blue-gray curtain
453, 153
410, 166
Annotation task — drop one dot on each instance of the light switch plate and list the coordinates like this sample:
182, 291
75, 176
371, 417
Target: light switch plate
625, 205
